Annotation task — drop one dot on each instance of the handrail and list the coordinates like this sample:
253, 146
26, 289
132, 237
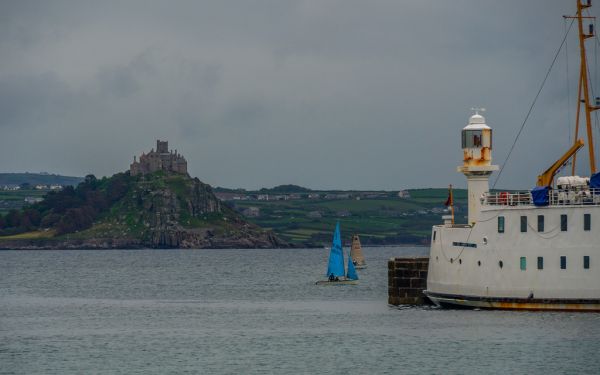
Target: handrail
557, 197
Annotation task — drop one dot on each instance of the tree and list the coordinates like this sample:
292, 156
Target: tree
13, 219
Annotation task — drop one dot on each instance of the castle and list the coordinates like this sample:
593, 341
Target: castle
160, 160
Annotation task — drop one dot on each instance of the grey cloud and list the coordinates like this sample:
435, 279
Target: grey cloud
327, 94
26, 101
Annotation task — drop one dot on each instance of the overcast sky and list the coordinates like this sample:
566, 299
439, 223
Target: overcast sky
325, 94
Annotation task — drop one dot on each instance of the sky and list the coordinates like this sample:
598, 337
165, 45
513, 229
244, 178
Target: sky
326, 94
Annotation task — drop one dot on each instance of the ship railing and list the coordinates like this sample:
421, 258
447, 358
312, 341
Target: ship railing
575, 197
504, 198
556, 197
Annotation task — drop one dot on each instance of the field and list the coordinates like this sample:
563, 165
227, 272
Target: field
15, 199
379, 221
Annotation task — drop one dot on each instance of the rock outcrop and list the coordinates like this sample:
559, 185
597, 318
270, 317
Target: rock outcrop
162, 210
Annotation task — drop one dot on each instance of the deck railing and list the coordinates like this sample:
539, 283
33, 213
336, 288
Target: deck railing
557, 197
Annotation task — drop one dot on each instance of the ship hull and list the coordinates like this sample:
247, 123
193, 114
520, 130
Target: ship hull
515, 263
490, 303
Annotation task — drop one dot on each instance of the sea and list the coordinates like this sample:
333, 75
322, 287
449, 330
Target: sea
258, 312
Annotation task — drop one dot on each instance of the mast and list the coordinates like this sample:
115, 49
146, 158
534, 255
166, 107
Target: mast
583, 82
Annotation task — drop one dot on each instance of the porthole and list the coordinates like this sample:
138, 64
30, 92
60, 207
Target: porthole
500, 264
479, 263
460, 261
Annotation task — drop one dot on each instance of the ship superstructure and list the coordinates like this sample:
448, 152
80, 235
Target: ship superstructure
537, 249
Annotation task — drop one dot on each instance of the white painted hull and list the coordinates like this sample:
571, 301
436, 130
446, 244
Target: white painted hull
478, 267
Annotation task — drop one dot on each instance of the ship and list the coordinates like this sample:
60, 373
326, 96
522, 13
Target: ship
530, 250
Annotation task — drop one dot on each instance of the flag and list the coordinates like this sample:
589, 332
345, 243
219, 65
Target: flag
449, 201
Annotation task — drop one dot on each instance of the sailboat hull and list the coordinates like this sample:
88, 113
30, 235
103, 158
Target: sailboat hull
339, 282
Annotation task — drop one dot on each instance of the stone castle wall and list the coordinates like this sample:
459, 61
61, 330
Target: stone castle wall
160, 160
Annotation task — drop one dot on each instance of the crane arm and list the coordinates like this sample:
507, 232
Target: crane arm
546, 178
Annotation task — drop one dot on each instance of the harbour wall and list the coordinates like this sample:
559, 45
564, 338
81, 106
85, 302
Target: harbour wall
407, 279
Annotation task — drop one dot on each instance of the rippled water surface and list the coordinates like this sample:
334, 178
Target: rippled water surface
257, 312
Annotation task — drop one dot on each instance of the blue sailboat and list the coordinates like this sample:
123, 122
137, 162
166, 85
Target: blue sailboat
336, 272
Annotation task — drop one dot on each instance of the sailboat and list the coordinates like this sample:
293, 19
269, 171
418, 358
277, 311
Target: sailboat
358, 259
336, 273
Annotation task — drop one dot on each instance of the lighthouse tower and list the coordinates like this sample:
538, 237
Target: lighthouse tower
477, 161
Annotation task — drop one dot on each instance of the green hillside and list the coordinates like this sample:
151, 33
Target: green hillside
38, 179
161, 210
378, 221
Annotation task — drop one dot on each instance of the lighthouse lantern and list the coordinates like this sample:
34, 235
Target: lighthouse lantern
477, 162
477, 142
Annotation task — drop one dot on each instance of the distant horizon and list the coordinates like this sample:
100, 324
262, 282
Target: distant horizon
45, 173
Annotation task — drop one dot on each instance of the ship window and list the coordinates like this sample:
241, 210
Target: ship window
587, 221
471, 138
563, 262
523, 263
500, 264
500, 224
434, 232
540, 263
586, 262
523, 223
563, 223
540, 223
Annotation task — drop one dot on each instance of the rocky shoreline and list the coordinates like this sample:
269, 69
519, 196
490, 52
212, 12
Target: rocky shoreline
266, 241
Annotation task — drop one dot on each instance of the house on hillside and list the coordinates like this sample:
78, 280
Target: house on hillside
251, 212
315, 214
404, 194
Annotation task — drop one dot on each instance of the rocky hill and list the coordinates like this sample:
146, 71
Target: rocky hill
158, 210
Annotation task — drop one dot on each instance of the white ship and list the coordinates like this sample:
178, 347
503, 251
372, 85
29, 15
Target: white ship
532, 250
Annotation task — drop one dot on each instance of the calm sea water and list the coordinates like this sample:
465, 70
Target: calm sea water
257, 312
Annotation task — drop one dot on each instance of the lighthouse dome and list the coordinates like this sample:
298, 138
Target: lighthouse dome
476, 122
477, 119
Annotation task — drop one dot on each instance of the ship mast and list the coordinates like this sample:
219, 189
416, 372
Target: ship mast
583, 84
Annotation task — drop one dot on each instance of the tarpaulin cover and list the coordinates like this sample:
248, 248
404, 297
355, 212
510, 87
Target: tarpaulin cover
540, 195
595, 181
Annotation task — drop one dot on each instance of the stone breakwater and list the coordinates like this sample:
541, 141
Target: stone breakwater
407, 279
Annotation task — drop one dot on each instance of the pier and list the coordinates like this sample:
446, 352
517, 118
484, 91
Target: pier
407, 279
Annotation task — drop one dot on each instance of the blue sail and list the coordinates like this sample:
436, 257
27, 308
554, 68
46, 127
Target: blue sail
336, 255
351, 270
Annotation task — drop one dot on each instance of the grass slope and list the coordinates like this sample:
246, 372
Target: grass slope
388, 220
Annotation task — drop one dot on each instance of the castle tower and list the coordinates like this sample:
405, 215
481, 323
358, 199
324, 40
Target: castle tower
477, 161
162, 147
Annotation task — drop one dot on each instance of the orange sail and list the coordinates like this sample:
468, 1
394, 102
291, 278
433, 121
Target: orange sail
356, 253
